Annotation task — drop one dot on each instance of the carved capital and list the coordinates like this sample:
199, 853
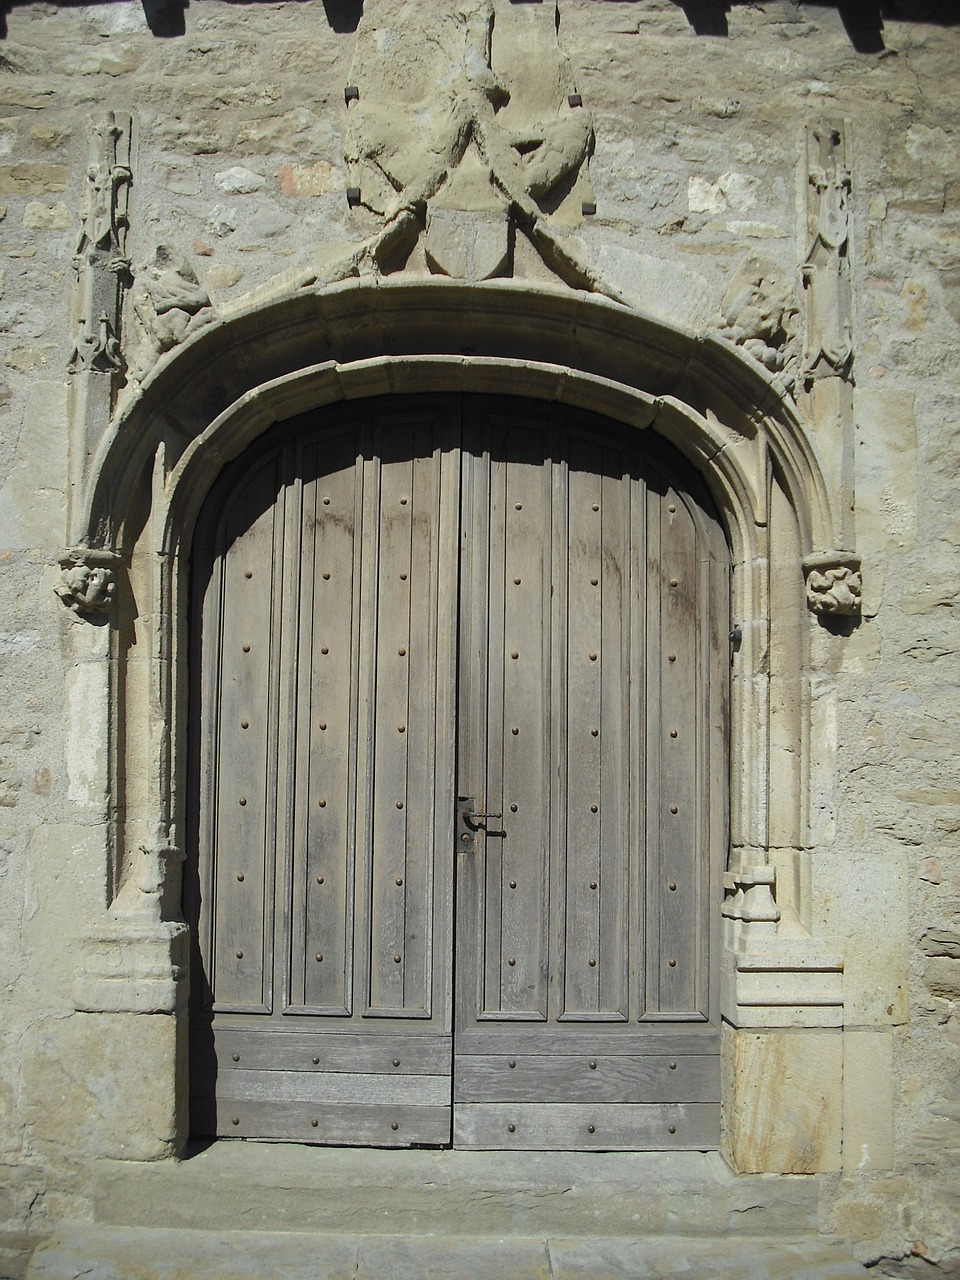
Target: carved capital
834, 583
87, 583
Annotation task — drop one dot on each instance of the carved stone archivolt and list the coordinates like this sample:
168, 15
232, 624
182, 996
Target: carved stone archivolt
88, 582
834, 584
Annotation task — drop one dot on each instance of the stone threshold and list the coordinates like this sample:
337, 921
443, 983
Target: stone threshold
122, 1253
257, 1186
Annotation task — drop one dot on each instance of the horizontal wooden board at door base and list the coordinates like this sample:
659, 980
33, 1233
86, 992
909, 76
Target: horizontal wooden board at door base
565, 1078
279, 1049
614, 1039
369, 1126
583, 1127
345, 1087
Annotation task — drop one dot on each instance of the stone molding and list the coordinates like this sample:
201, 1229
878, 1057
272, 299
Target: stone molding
129, 964
772, 980
403, 322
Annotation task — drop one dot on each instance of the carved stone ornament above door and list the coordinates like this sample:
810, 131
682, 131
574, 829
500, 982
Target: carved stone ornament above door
451, 137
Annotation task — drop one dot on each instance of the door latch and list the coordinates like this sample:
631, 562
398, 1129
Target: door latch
468, 820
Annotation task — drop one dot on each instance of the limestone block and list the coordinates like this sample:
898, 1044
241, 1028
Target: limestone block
84, 1076
33, 495
783, 1106
238, 180
32, 178
867, 1100
38, 216
663, 289
735, 191
88, 694
886, 468
318, 179
784, 986
8, 134
65, 884
869, 908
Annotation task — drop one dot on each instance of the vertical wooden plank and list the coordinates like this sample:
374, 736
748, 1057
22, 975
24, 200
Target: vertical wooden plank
597, 887
518, 732
322, 892
420, 735
495, 858
393, 595
473, 718
409, 822
616, 485
585, 608
244, 773
677, 737
367, 558
639, 759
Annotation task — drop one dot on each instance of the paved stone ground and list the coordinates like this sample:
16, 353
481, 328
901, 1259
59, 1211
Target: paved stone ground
97, 1252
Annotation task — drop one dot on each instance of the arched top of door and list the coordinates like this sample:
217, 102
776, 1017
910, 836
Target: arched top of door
205, 402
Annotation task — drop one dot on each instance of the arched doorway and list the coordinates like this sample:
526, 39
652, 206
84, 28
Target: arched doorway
409, 613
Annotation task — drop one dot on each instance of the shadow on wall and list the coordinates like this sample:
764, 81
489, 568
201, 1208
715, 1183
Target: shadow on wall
168, 17
862, 19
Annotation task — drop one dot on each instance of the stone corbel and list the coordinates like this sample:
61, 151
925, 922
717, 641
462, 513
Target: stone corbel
834, 584
88, 581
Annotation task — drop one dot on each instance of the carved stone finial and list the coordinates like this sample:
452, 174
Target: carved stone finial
87, 584
100, 260
99, 351
828, 346
834, 583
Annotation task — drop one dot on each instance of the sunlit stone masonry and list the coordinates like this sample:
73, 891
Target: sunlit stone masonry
478, 532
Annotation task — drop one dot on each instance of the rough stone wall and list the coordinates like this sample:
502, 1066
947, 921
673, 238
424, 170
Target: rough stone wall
700, 181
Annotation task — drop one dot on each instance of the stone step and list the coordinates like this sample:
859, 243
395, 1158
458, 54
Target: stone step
124, 1253
274, 1187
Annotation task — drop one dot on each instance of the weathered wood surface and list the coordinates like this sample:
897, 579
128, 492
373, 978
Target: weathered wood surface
586, 1127
282, 1049
614, 1038
391, 590
568, 1078
337, 1124
323, 1086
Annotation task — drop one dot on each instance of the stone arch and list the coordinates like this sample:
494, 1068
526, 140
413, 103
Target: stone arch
210, 399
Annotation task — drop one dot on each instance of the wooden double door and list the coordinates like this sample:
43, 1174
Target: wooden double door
458, 783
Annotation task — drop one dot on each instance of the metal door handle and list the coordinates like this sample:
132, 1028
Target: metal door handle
468, 818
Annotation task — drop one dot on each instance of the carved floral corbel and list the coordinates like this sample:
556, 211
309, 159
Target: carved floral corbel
834, 583
87, 583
